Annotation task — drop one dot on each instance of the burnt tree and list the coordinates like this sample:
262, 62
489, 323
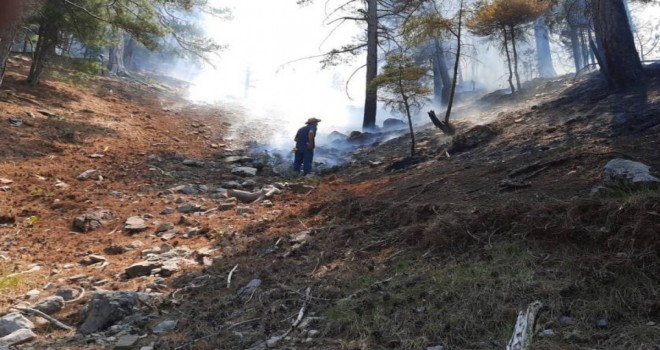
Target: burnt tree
615, 46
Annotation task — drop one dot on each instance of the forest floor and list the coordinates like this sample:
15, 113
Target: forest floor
441, 250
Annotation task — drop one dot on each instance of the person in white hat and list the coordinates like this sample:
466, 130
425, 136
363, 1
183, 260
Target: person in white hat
304, 151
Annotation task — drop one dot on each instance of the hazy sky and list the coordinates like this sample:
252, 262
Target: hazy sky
261, 38
265, 34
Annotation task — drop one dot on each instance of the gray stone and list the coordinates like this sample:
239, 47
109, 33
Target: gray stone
32, 294
106, 308
142, 268
127, 342
224, 206
50, 305
135, 224
91, 221
602, 323
115, 250
244, 210
190, 189
196, 231
167, 211
244, 171
547, 333
163, 227
301, 237
67, 293
436, 347
168, 235
619, 171
89, 175
193, 163
169, 268
231, 185
393, 123
12, 322
249, 183
248, 288
17, 337
189, 208
165, 326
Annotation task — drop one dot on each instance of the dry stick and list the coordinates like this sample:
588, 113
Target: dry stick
43, 315
229, 276
524, 329
301, 313
80, 296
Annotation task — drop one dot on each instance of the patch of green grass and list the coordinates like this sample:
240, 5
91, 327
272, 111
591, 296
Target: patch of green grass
630, 192
9, 281
471, 301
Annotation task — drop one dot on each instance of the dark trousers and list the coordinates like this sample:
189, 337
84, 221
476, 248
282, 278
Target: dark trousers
303, 158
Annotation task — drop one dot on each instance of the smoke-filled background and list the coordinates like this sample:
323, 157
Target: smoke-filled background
263, 72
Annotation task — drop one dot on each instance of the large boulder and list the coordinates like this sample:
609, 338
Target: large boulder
394, 124
91, 221
12, 322
50, 305
623, 171
107, 308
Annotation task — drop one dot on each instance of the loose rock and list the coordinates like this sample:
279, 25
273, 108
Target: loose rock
50, 305
135, 224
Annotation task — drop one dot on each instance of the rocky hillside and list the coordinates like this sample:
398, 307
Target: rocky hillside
130, 220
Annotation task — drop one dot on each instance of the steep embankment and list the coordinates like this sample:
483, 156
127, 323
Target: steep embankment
387, 252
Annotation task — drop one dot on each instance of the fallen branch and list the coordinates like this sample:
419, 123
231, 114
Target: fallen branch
536, 167
229, 276
523, 332
45, 316
303, 309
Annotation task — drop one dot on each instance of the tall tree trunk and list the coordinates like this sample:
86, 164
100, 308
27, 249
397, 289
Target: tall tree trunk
576, 48
584, 47
410, 126
515, 57
543, 52
441, 79
116, 57
7, 36
508, 59
456, 64
616, 46
371, 98
129, 51
591, 52
46, 45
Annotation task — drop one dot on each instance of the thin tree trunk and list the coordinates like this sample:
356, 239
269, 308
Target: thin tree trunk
45, 47
515, 57
456, 64
575, 47
584, 48
410, 126
508, 59
616, 46
7, 37
591, 52
371, 98
543, 52
441, 79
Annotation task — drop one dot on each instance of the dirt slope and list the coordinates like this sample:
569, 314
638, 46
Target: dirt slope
440, 250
